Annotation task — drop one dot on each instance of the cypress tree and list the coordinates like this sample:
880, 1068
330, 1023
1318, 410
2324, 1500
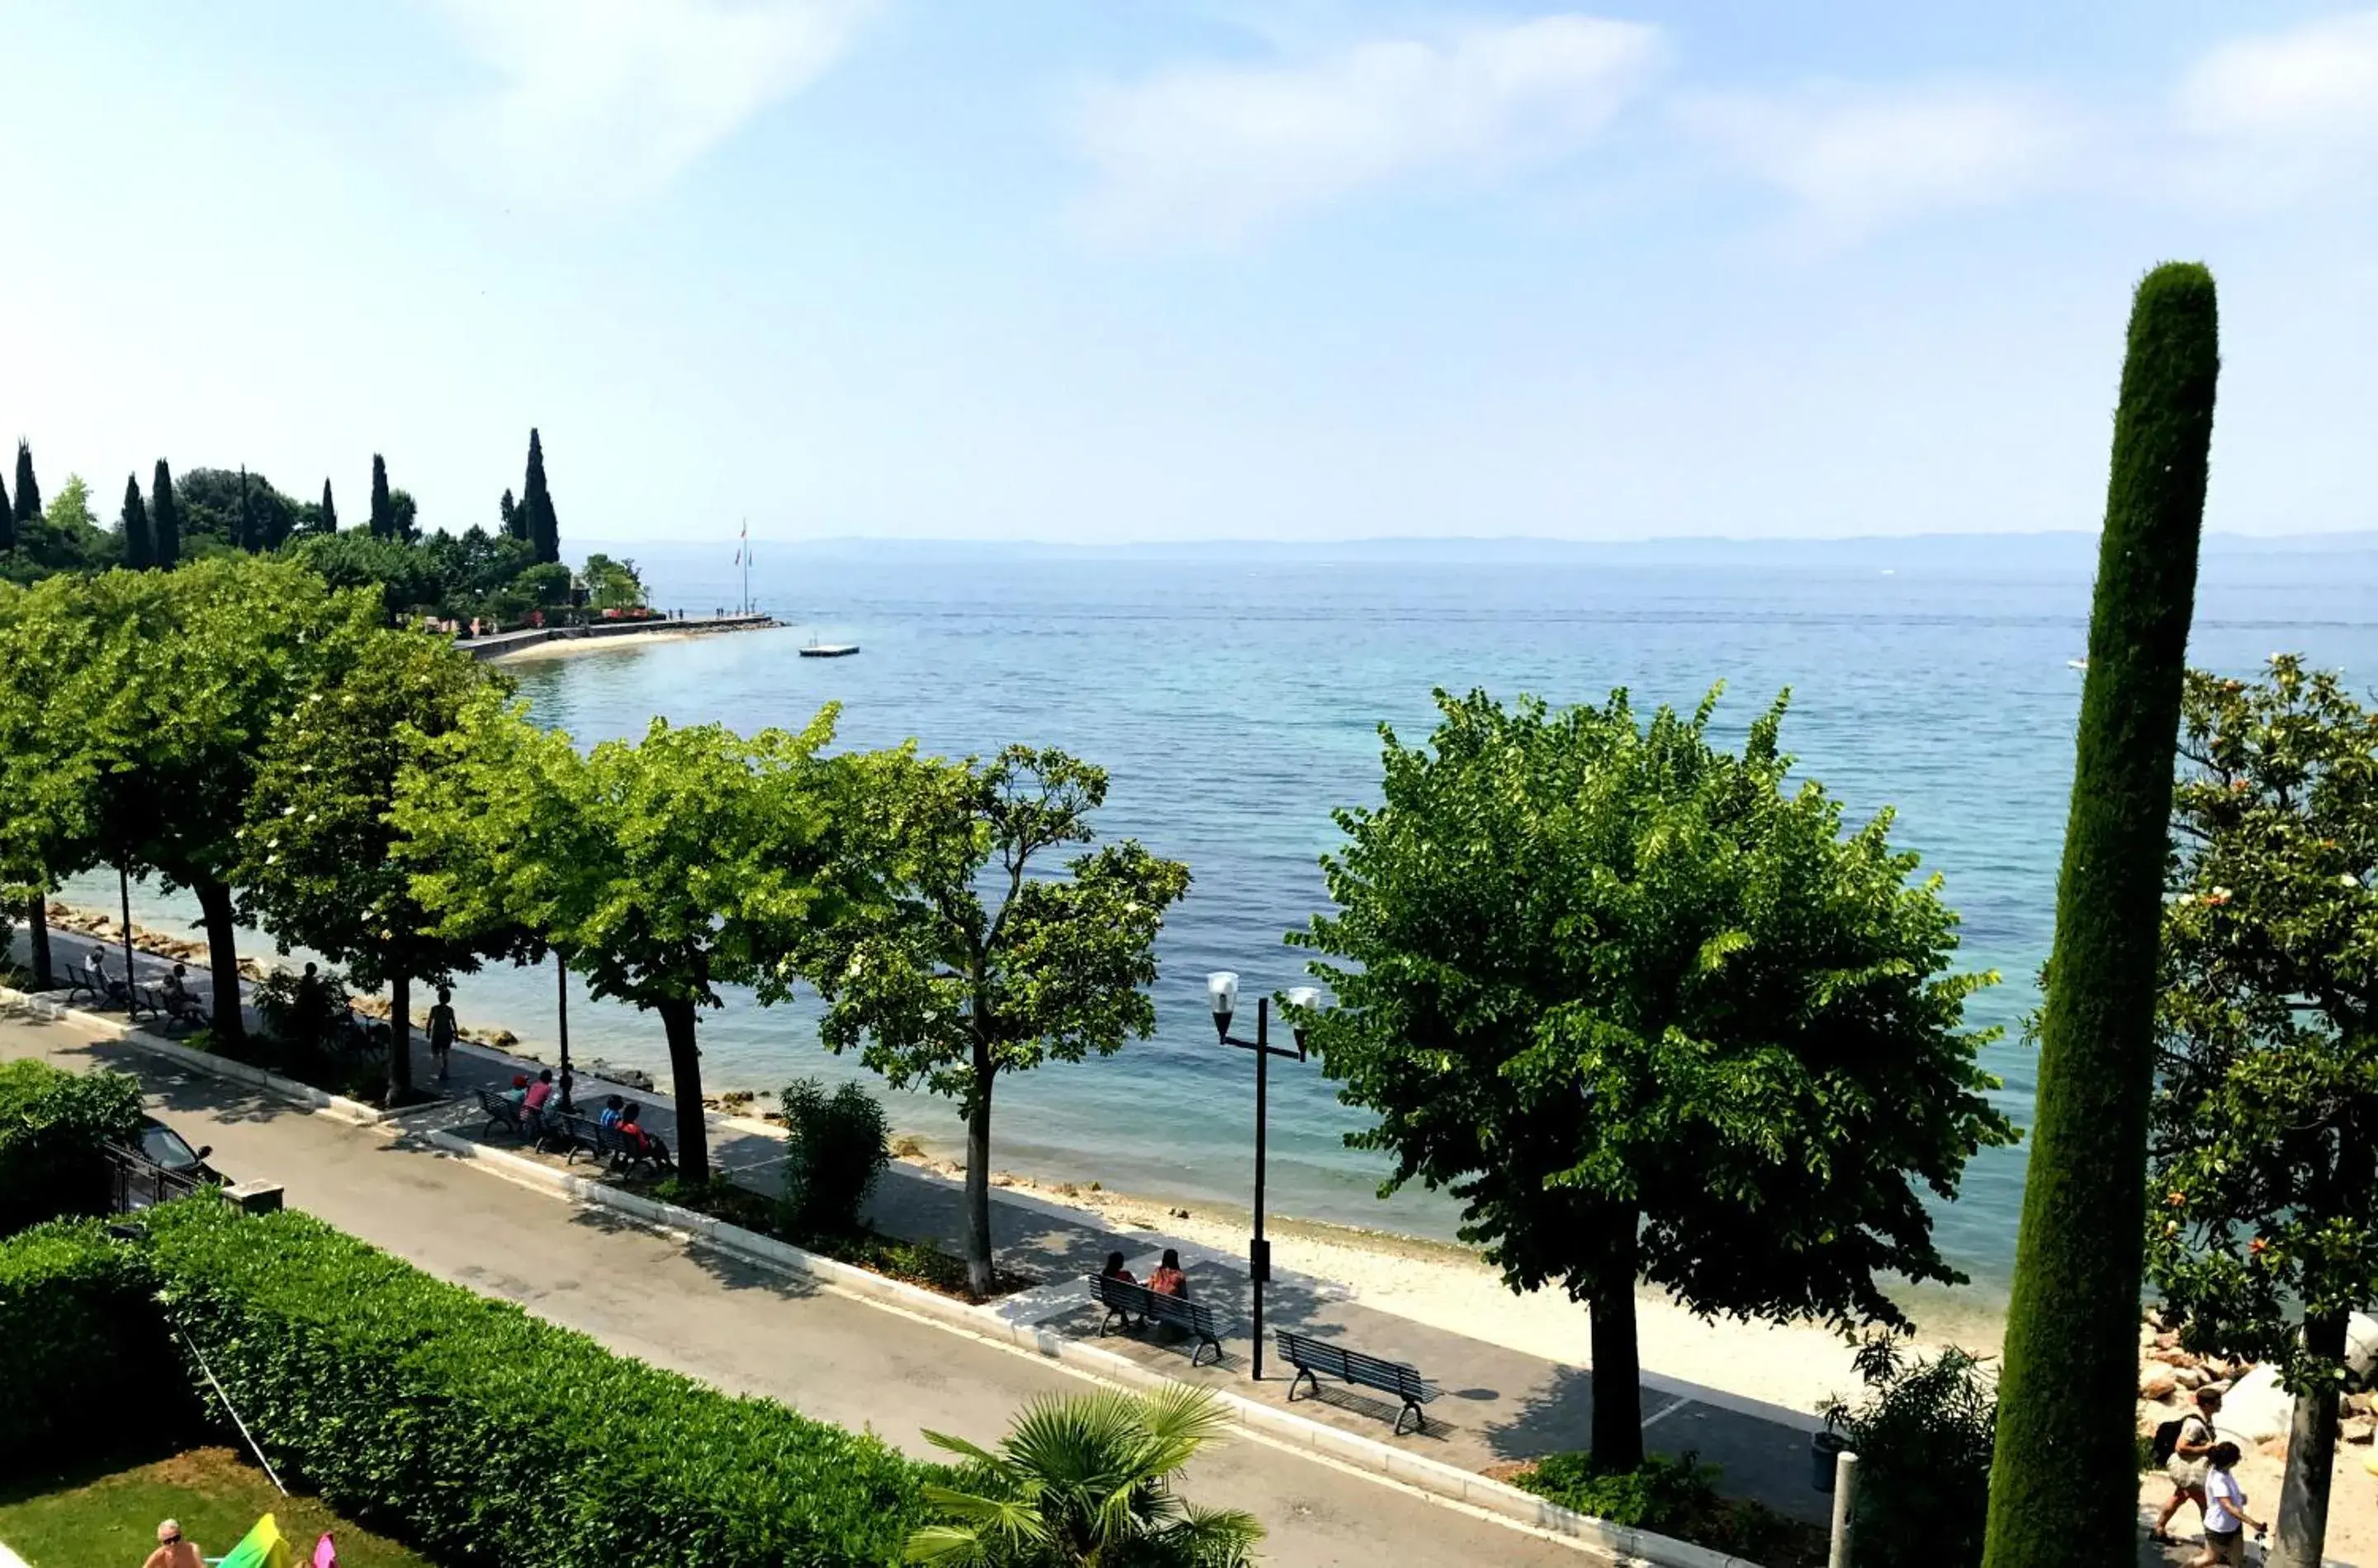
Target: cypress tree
543, 533
8, 521
249, 540
510, 514
2064, 1480
329, 522
383, 516
134, 525
164, 518
29, 491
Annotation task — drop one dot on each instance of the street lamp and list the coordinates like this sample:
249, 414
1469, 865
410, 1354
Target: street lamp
1222, 996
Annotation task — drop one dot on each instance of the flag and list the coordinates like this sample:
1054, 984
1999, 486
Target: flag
260, 1548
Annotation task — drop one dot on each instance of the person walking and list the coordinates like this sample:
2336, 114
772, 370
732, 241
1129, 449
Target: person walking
442, 1030
2191, 1457
2225, 1510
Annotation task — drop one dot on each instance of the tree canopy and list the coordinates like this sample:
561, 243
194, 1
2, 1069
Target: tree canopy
941, 988
2264, 1137
1648, 1011
659, 870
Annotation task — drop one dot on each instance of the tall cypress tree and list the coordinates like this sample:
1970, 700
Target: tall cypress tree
2064, 1480
8, 521
383, 515
164, 518
511, 513
134, 525
248, 538
29, 490
330, 521
543, 533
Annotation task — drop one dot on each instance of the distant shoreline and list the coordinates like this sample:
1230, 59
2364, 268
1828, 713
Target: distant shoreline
551, 642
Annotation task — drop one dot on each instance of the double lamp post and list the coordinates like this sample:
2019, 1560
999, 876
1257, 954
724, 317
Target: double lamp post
1222, 995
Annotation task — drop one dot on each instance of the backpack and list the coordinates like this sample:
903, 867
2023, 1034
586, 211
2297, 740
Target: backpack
2166, 1439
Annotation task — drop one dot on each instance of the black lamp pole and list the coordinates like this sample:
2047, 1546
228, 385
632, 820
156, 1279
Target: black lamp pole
561, 982
1222, 991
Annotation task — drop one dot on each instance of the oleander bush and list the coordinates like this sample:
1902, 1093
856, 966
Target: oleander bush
53, 1123
1924, 1437
482, 1435
84, 1354
838, 1145
1676, 1497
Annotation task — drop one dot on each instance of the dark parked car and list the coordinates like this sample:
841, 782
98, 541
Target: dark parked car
161, 1165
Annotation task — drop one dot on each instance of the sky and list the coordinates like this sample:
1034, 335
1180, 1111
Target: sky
1091, 271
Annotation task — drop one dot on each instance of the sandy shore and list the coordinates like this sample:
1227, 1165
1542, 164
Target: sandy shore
572, 647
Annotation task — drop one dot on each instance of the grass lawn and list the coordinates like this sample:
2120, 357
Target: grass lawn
111, 1522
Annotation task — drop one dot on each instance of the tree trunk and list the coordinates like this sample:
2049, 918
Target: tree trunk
2301, 1531
37, 932
1617, 1364
2064, 1470
399, 1039
222, 957
978, 1188
685, 1068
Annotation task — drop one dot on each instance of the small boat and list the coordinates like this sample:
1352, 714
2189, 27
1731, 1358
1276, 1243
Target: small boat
829, 649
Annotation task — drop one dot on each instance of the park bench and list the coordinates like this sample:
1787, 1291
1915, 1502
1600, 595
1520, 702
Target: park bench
1312, 1356
1125, 1300
611, 1145
92, 980
509, 1114
183, 1012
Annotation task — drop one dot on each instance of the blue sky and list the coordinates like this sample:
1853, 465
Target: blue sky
1085, 270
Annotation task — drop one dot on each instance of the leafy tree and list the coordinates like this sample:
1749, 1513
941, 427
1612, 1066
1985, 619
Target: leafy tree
1087, 1481
2063, 1482
47, 779
139, 554
383, 512
165, 517
1923, 1436
937, 988
402, 516
1647, 1010
407, 579
536, 504
837, 1146
546, 583
65, 536
659, 870
613, 585
317, 862
2263, 1132
326, 519
28, 489
234, 505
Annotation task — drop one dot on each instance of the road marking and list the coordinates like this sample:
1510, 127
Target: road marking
1664, 1413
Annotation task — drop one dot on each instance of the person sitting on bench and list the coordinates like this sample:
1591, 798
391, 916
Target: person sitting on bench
609, 1115
538, 1092
638, 1139
178, 1000
1114, 1270
517, 1093
1166, 1278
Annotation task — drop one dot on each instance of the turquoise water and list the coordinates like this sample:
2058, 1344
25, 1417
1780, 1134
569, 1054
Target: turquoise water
1234, 697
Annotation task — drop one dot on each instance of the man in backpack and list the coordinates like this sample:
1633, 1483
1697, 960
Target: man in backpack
2191, 1456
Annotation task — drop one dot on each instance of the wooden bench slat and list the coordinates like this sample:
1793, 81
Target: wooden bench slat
1312, 1356
1124, 1299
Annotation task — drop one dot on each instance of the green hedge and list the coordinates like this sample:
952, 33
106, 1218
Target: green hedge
482, 1435
52, 1123
88, 1366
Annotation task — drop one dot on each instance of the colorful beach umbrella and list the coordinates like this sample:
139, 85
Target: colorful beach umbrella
260, 1548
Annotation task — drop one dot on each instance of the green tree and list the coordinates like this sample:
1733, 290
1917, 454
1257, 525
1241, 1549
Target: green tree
7, 523
659, 870
510, 512
2263, 1132
536, 502
319, 866
2063, 1483
613, 585
28, 489
65, 537
47, 778
326, 519
402, 516
937, 988
239, 507
1648, 1011
406, 578
138, 552
383, 511
165, 517
1087, 1480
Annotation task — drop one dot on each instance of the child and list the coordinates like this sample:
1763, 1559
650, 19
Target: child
2225, 1513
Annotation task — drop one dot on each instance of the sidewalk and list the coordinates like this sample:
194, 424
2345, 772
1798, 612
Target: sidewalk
1497, 1404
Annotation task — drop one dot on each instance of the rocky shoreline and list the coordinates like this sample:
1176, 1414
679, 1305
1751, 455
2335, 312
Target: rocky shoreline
2255, 1412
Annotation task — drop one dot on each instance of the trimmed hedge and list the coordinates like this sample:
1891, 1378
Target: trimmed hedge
482, 1435
52, 1124
87, 1364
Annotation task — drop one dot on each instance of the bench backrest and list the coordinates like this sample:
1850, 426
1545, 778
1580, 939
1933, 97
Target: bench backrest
1354, 1366
1124, 1296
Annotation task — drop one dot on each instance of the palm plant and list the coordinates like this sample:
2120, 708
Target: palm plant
1086, 1482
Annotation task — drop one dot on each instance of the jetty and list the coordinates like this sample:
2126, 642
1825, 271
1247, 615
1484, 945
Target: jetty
829, 649
507, 643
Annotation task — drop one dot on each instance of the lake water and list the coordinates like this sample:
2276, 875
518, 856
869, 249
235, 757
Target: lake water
1234, 697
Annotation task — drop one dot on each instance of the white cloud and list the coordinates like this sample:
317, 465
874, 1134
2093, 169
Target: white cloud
602, 99
1861, 159
1217, 151
2284, 113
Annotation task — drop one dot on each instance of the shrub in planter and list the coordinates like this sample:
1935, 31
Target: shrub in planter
483, 1435
52, 1125
1924, 1438
839, 1145
84, 1354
